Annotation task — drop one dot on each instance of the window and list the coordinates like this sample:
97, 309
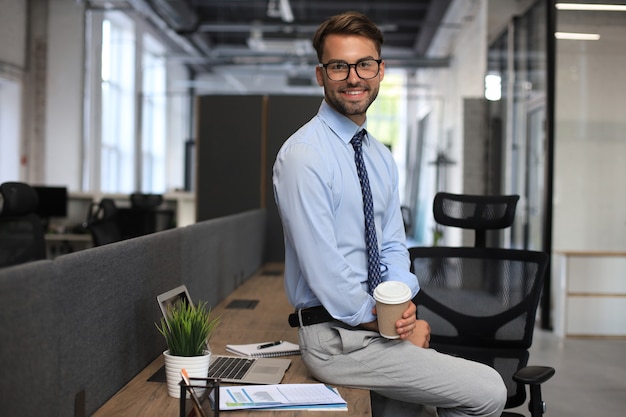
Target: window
118, 105
387, 119
10, 105
153, 118
135, 118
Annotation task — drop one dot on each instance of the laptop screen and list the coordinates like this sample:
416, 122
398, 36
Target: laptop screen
173, 297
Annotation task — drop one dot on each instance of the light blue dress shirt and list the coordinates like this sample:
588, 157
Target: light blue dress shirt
318, 194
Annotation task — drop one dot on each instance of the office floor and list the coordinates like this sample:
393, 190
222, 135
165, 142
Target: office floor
590, 377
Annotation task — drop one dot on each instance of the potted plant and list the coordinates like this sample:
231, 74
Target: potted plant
187, 331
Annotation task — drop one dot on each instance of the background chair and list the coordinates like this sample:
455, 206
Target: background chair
479, 213
144, 216
481, 302
21, 230
102, 222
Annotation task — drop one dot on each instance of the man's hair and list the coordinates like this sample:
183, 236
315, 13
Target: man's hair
348, 23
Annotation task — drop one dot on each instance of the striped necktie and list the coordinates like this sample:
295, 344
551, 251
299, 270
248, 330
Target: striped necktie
371, 244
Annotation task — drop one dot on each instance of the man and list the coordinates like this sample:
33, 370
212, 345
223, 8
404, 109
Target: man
321, 203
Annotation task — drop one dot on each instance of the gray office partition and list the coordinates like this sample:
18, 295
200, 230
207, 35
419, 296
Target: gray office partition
238, 138
285, 115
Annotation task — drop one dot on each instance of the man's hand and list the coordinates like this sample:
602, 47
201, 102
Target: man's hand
414, 330
408, 327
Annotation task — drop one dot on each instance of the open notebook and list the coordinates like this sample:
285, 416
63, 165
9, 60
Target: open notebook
239, 370
265, 349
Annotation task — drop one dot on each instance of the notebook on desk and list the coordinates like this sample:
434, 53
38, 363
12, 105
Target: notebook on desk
238, 370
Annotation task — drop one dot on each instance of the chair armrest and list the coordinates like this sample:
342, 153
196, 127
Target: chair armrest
533, 375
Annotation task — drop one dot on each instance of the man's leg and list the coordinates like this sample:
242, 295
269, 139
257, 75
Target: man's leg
398, 370
387, 407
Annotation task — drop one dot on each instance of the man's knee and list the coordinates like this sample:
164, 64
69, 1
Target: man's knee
494, 396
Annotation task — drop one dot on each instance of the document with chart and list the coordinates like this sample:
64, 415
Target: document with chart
280, 396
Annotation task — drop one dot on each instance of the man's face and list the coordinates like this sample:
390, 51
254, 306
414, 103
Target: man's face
352, 96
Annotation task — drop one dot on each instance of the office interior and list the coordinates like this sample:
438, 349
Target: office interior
510, 97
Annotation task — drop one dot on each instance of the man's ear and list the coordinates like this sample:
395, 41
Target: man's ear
319, 74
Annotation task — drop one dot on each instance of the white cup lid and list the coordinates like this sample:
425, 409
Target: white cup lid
392, 292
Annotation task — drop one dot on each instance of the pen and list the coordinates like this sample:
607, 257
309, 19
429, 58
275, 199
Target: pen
266, 345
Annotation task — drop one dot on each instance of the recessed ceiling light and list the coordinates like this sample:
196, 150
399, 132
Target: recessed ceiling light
577, 36
592, 7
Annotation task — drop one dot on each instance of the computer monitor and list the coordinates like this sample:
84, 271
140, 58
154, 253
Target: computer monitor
52, 201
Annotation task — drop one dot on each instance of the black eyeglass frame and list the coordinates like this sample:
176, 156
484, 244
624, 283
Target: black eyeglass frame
356, 69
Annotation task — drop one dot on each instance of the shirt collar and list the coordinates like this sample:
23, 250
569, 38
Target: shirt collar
340, 124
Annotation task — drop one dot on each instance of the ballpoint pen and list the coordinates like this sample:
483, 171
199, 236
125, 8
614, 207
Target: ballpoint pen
266, 345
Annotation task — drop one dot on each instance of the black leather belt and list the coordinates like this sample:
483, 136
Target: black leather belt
309, 316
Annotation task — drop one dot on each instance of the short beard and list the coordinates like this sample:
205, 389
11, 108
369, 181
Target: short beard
349, 109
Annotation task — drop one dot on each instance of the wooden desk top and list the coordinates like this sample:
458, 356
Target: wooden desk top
266, 321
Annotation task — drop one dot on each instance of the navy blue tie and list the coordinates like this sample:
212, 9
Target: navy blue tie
371, 244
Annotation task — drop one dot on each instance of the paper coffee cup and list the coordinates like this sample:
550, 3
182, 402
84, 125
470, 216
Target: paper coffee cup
392, 299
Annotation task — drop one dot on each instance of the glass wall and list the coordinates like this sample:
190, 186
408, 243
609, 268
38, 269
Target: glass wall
517, 59
590, 144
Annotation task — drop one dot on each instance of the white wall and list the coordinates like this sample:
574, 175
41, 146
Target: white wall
590, 139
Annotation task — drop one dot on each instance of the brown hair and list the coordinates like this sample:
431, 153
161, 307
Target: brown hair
348, 23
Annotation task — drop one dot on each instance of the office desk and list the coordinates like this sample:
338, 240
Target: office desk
266, 321
61, 243
590, 293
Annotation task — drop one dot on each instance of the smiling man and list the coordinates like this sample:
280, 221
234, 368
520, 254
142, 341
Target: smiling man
336, 188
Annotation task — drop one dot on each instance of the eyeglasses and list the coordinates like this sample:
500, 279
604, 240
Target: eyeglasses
365, 69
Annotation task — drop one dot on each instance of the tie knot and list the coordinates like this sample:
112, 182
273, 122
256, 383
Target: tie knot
357, 140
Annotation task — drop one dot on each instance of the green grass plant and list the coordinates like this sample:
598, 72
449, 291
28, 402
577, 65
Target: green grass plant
188, 328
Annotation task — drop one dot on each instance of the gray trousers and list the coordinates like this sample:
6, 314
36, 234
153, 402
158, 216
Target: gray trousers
411, 380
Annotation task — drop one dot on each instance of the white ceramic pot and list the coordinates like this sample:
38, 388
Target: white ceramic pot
196, 366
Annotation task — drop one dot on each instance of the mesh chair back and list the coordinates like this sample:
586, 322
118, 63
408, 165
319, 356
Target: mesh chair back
483, 297
102, 223
477, 212
21, 230
481, 304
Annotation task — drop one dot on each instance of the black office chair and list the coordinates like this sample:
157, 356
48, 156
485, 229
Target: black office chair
144, 216
480, 213
21, 230
102, 223
481, 302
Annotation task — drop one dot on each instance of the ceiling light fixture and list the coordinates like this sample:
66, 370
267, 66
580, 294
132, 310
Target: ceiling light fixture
577, 36
280, 8
591, 7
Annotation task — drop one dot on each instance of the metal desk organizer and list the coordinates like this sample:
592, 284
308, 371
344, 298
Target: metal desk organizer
205, 405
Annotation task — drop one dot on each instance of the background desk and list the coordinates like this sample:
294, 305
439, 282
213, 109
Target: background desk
61, 243
257, 311
590, 294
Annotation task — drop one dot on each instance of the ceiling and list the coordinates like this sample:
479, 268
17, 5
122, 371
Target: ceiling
212, 33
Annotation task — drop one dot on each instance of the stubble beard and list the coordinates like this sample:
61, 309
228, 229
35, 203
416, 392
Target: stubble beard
348, 108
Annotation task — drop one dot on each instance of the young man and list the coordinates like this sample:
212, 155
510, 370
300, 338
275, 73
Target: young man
318, 192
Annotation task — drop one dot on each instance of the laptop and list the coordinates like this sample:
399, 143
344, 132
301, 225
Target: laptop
233, 369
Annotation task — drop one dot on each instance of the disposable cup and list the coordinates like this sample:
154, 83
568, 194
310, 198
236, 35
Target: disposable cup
392, 299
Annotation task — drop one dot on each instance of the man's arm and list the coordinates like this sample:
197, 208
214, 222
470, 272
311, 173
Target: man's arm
302, 179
